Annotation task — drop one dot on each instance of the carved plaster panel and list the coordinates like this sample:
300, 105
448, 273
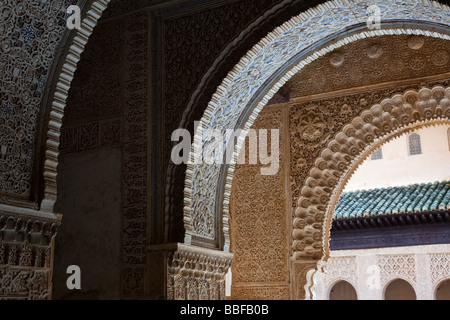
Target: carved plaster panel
259, 228
135, 162
440, 267
394, 266
24, 284
30, 33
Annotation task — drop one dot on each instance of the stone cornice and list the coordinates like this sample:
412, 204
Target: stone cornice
391, 231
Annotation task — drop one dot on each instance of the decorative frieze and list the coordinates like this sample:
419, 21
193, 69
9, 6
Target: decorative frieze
392, 266
24, 283
371, 271
439, 264
30, 34
276, 292
260, 228
94, 135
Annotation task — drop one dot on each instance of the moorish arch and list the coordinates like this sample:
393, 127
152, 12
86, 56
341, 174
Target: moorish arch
343, 290
261, 73
285, 44
63, 77
399, 289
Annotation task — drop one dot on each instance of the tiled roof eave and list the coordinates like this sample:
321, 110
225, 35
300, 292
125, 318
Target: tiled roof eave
417, 198
393, 220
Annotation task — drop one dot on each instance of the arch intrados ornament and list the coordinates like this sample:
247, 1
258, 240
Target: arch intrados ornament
390, 119
376, 126
264, 70
403, 129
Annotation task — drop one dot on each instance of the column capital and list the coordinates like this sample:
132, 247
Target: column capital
194, 273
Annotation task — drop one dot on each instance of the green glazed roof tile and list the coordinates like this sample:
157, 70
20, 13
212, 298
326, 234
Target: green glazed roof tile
403, 199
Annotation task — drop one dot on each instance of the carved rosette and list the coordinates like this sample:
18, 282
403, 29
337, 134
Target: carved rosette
26, 256
197, 274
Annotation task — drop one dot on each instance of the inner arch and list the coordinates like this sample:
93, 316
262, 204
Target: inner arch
355, 165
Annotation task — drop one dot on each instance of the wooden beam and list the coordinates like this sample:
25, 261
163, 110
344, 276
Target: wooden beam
394, 221
409, 220
387, 221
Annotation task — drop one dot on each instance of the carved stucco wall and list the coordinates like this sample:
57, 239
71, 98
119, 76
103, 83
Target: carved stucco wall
260, 229
25, 256
371, 61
